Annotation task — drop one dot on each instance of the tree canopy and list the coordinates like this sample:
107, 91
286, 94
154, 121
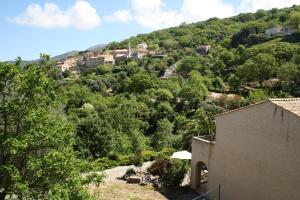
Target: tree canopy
36, 155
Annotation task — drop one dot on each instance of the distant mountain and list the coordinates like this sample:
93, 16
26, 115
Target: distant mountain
65, 55
97, 47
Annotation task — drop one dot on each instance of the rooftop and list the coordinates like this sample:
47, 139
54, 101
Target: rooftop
290, 104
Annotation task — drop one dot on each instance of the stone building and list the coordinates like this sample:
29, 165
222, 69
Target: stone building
102, 59
68, 64
94, 61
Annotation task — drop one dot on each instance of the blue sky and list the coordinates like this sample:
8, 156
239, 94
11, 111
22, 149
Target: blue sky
30, 27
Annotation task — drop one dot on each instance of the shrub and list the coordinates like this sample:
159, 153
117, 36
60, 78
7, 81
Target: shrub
103, 69
159, 166
171, 171
104, 163
258, 95
131, 159
125, 160
166, 152
149, 155
67, 73
176, 172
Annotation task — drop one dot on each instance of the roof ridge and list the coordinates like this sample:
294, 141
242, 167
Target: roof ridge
291, 108
285, 99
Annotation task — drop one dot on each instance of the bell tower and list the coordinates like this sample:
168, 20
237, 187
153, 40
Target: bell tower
129, 55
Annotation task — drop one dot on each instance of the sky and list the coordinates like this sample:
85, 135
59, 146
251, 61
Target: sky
31, 27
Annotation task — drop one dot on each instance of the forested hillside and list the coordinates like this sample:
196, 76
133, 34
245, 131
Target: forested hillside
134, 111
132, 107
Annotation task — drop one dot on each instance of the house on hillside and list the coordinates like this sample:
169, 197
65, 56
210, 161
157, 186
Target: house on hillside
255, 153
94, 61
142, 45
103, 59
140, 53
279, 31
68, 64
142, 50
122, 54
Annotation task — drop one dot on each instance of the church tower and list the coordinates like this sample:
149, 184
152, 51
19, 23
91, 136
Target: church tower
129, 55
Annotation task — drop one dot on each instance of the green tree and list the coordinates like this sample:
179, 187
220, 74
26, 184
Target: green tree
103, 69
170, 43
289, 72
259, 68
140, 82
94, 137
131, 68
163, 136
165, 110
194, 90
188, 64
295, 19
67, 73
163, 95
175, 172
234, 82
36, 158
218, 84
129, 119
153, 47
200, 124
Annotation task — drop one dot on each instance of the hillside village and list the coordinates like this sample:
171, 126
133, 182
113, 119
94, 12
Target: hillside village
91, 59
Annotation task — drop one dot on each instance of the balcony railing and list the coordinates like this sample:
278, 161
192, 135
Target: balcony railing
210, 138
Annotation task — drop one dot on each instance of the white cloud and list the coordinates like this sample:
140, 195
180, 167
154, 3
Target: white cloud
153, 14
254, 5
119, 16
197, 10
81, 16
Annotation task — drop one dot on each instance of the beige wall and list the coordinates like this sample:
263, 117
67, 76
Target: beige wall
202, 151
257, 154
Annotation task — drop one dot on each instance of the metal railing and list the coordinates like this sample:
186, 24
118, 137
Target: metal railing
205, 196
210, 138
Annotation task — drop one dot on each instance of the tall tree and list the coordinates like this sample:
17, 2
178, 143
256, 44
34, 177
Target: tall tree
259, 68
194, 90
36, 158
163, 135
295, 19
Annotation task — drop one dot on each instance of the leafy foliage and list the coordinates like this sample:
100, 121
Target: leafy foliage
36, 155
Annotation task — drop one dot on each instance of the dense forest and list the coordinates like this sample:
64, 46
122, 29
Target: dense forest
55, 125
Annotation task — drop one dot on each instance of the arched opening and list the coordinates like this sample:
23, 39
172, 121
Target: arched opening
201, 177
